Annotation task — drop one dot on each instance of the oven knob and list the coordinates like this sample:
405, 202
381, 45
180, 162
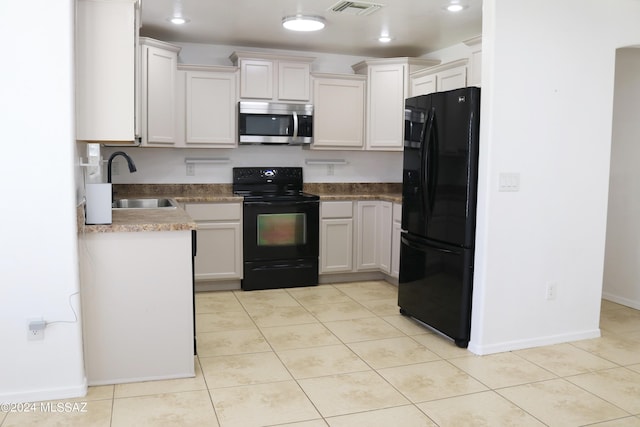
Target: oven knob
269, 173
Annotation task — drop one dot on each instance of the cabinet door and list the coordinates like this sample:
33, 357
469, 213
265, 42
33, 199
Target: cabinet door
475, 78
158, 96
455, 78
219, 251
338, 113
210, 108
336, 237
395, 240
386, 107
256, 79
384, 228
105, 71
423, 85
293, 81
367, 240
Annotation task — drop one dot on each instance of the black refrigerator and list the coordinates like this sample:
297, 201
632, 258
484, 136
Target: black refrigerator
439, 192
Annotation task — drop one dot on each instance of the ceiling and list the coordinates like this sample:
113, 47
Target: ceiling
416, 26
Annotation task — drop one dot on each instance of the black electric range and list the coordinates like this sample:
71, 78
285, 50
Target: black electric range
280, 228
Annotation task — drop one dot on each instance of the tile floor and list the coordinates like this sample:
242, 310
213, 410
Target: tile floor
341, 355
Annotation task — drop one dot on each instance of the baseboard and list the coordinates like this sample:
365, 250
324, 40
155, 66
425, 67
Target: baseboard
221, 285
235, 285
63, 393
621, 300
529, 343
350, 277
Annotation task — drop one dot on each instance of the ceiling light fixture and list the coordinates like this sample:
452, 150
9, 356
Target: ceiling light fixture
455, 7
384, 39
303, 23
178, 20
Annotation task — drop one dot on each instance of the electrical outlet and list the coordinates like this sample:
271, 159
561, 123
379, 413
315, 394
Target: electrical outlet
330, 170
191, 169
552, 289
35, 329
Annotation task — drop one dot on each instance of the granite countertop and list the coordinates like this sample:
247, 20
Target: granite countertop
137, 220
389, 192
212, 193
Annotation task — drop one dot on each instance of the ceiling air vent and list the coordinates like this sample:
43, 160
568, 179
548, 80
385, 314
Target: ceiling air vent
355, 7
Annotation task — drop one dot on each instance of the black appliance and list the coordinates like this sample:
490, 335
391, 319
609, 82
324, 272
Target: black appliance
275, 123
280, 228
439, 192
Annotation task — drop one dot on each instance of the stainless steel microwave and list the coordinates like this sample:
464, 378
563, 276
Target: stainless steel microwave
275, 123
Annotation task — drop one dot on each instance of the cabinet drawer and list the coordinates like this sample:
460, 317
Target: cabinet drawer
215, 211
336, 209
397, 212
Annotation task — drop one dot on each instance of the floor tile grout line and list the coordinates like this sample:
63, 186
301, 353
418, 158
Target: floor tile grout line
412, 337
593, 394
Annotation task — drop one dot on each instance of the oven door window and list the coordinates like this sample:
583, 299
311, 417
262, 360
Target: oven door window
266, 124
282, 229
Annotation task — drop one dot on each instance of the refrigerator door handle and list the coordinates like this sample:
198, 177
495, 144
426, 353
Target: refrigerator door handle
432, 159
423, 247
426, 163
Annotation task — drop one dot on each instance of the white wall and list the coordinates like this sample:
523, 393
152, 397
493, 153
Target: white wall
548, 72
38, 247
622, 254
165, 165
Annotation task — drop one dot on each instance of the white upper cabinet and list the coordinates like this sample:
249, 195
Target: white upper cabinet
210, 106
339, 112
158, 62
294, 81
256, 79
388, 86
106, 33
449, 76
475, 68
273, 77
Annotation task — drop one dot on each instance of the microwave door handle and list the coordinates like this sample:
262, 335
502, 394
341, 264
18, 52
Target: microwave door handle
295, 124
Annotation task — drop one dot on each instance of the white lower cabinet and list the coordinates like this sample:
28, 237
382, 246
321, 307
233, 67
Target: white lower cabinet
219, 240
385, 230
359, 236
336, 237
373, 236
367, 237
396, 230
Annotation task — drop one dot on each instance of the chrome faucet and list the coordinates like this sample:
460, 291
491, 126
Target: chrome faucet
132, 166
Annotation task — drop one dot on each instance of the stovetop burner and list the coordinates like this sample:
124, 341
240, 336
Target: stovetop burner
270, 183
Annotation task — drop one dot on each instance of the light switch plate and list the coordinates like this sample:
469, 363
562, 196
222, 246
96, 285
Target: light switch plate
509, 181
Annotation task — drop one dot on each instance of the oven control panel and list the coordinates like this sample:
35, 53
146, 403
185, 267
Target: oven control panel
266, 175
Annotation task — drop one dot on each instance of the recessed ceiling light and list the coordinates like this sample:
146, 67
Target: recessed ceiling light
384, 39
303, 23
455, 7
178, 20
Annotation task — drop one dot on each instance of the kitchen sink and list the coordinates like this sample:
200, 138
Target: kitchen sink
145, 204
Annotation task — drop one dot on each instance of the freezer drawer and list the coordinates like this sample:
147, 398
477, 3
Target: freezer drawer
435, 286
